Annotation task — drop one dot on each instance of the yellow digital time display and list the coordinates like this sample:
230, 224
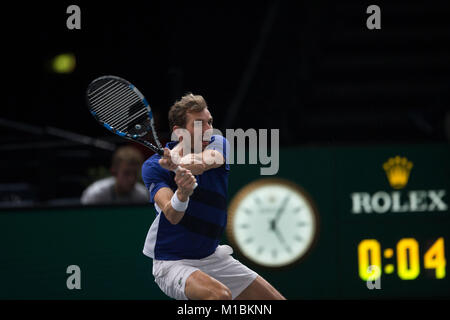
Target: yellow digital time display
409, 260
394, 223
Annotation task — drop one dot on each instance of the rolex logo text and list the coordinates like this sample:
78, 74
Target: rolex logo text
413, 201
398, 171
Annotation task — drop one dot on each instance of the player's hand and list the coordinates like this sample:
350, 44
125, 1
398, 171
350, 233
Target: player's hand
185, 181
166, 161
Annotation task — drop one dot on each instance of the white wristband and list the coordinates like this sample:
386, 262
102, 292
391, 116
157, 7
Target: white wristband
178, 205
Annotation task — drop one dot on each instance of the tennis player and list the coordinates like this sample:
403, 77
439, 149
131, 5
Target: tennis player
183, 240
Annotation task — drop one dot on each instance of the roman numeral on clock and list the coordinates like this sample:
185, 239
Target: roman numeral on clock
296, 210
260, 250
274, 253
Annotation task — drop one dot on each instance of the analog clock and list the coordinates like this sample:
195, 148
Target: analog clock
272, 222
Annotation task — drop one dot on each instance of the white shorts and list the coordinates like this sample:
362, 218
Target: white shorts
171, 275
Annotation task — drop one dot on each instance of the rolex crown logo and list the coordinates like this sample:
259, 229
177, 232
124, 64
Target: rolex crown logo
397, 171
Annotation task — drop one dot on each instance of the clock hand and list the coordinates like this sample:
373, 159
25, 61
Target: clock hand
279, 235
272, 224
280, 210
281, 238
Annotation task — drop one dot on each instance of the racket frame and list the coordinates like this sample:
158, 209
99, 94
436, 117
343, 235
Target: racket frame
137, 138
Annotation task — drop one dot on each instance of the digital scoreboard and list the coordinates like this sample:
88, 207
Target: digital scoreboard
406, 259
349, 222
394, 222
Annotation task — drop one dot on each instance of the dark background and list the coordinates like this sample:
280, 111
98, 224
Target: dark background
309, 68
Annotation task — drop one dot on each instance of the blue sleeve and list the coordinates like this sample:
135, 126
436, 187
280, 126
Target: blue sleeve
221, 144
155, 177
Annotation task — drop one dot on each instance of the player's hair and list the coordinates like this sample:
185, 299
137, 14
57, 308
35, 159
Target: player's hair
128, 154
188, 103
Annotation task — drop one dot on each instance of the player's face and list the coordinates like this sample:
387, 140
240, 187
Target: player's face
204, 117
126, 177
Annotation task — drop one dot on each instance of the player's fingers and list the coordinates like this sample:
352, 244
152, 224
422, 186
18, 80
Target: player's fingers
166, 153
181, 172
192, 182
184, 180
180, 175
188, 181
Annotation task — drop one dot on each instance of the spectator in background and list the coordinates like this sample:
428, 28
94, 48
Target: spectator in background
123, 186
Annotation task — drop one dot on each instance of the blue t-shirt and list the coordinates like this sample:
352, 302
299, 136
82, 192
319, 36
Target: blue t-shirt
198, 233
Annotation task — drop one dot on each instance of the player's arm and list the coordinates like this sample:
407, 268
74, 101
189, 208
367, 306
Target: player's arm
212, 157
174, 204
198, 163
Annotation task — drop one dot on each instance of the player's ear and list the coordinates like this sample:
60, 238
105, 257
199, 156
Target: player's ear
176, 132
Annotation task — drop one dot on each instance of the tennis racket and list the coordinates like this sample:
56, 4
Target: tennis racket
122, 109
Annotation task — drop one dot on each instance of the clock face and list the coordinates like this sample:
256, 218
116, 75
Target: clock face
272, 222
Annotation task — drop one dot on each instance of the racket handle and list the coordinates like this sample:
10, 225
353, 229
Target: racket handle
195, 185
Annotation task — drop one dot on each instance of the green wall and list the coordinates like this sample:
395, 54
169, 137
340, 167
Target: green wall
37, 245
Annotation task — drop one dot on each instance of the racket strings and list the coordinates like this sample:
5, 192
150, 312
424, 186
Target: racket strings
93, 91
118, 117
116, 93
103, 90
114, 113
107, 94
122, 119
132, 127
104, 106
118, 105
107, 99
141, 116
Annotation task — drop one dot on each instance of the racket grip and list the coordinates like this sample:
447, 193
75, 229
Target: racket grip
195, 185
